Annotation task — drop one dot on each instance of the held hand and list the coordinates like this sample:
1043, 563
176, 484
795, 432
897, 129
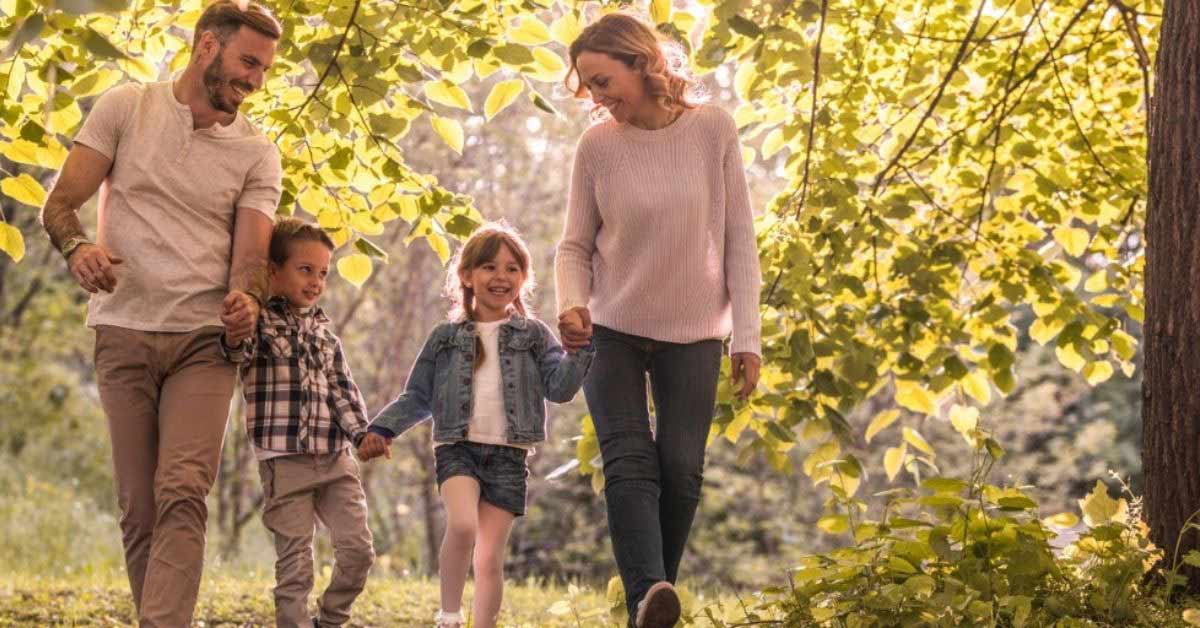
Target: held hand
575, 328
239, 312
92, 266
373, 445
745, 366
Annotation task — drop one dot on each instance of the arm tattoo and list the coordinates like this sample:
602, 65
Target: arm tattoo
60, 220
250, 276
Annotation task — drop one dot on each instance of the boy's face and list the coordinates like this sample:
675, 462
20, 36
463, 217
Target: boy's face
301, 279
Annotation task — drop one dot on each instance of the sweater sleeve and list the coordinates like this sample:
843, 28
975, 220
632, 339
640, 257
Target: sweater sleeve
743, 276
573, 257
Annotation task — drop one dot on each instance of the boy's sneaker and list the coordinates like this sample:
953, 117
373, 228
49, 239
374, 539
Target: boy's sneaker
660, 607
449, 620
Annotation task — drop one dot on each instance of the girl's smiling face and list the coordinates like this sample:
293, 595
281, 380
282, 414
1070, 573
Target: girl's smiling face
496, 283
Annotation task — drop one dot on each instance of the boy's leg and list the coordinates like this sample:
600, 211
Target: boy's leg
290, 515
342, 505
193, 409
491, 544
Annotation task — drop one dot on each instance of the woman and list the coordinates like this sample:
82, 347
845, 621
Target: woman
659, 251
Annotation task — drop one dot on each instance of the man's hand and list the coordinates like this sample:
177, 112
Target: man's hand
575, 328
745, 366
239, 313
373, 445
92, 266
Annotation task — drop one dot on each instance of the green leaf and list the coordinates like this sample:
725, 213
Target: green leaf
12, 242
29, 29
24, 189
449, 130
834, 524
881, 422
502, 95
354, 268
745, 27
370, 249
542, 103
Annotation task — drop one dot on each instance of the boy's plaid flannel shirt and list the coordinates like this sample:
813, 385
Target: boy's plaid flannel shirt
300, 397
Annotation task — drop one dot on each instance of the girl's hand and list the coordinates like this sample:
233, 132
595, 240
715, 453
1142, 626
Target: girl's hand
575, 328
745, 366
373, 445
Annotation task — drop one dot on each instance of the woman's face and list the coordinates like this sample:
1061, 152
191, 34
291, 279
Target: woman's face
611, 84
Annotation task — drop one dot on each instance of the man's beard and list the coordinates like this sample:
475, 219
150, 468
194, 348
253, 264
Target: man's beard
214, 80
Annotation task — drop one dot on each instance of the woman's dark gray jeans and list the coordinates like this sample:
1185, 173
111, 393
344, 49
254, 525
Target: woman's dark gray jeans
652, 480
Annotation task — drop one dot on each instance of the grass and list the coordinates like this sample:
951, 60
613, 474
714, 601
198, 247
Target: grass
245, 600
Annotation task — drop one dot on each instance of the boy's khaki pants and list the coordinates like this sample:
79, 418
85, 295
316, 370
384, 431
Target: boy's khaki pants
298, 490
166, 396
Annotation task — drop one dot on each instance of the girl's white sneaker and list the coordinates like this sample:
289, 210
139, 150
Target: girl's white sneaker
449, 620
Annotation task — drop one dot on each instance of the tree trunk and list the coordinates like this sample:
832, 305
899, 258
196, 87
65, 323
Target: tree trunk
1171, 406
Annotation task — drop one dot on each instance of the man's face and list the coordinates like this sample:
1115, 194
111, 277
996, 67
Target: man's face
237, 68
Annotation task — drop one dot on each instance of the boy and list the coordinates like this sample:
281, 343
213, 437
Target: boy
303, 412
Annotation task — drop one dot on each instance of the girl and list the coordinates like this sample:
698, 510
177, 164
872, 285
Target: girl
483, 378
659, 250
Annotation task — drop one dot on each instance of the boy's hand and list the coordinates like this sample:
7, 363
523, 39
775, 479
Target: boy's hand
575, 327
373, 445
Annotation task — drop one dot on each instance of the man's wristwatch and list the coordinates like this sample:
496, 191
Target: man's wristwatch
71, 244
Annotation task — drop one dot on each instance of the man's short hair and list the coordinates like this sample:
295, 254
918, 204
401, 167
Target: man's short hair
224, 17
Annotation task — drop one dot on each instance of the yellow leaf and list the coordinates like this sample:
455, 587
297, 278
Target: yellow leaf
11, 241
330, 219
355, 268
834, 524
547, 66
747, 155
1097, 372
502, 95
65, 118
450, 131
366, 224
976, 385
485, 67
1073, 239
52, 155
893, 459
312, 200
1191, 616
881, 422
22, 151
1062, 520
448, 94
965, 419
529, 31
1098, 508
565, 29
25, 189
660, 11
772, 143
824, 453
1070, 358
914, 438
1098, 282
1044, 330
741, 419
911, 395
439, 245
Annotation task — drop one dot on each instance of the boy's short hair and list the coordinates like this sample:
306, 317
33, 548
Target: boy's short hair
288, 230
225, 17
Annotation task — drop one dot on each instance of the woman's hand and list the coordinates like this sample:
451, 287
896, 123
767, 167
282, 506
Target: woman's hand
575, 328
373, 445
745, 366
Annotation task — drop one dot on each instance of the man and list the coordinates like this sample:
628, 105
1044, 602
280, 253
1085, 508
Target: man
185, 215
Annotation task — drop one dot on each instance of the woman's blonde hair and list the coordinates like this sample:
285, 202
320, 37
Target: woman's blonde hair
663, 64
482, 247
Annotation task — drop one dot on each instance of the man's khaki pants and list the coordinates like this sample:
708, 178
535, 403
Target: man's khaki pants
166, 396
300, 489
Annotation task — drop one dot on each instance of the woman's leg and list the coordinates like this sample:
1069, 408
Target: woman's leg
616, 396
683, 379
491, 545
460, 495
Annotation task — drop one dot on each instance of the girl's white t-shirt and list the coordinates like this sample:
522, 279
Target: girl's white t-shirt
488, 423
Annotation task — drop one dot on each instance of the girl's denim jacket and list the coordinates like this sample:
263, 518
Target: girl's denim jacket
533, 368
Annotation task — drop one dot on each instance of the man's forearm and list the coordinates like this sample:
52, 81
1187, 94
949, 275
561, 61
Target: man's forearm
250, 276
61, 221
